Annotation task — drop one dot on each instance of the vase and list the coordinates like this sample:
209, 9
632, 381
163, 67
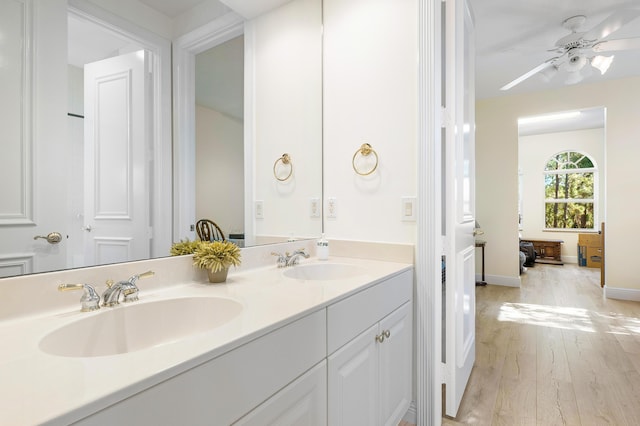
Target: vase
218, 277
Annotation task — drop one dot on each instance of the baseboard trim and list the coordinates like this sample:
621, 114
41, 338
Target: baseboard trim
622, 293
500, 280
411, 416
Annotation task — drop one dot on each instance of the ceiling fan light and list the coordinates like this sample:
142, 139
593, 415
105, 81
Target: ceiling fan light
602, 63
548, 73
573, 78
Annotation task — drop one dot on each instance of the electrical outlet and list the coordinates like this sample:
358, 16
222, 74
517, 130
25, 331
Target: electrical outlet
332, 208
314, 207
408, 212
259, 209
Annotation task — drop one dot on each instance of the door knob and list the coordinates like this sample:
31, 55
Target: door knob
52, 237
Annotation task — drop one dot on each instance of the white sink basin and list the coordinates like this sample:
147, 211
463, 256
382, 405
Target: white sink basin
324, 271
136, 326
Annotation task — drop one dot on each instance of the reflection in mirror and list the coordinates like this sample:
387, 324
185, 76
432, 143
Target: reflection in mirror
92, 164
282, 113
219, 134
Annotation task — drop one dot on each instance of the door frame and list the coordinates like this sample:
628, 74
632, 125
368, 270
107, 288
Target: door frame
185, 49
160, 67
428, 297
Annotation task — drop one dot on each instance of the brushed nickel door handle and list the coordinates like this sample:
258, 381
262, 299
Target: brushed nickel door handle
52, 237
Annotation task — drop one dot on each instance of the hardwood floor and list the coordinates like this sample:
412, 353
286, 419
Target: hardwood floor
553, 352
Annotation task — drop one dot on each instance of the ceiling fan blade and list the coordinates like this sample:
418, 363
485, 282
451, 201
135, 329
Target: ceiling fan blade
528, 74
619, 44
612, 23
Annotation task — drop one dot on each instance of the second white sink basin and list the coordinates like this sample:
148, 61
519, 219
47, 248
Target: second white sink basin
136, 326
324, 271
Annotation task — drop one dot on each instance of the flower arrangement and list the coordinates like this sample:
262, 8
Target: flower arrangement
184, 247
216, 255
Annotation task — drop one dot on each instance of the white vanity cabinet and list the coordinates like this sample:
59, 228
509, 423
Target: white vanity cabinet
369, 376
303, 402
222, 390
347, 364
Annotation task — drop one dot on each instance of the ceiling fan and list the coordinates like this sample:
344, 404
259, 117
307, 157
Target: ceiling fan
578, 48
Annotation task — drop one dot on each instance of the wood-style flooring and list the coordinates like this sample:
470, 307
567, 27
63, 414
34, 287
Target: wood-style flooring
553, 352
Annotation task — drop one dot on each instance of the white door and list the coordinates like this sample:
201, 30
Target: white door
395, 365
116, 171
460, 204
353, 382
33, 136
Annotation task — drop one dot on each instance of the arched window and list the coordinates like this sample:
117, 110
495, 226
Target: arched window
570, 191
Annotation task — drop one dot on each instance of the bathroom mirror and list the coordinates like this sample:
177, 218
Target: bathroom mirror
284, 206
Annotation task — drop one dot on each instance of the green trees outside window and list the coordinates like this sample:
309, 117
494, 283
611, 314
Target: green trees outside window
569, 180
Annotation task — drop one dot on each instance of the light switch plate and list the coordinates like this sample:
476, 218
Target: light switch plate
332, 208
259, 209
314, 207
408, 212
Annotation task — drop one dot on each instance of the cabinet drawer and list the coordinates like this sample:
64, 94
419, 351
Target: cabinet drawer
350, 317
303, 402
222, 390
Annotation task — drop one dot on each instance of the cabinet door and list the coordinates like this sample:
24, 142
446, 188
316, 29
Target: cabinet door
302, 403
353, 382
395, 365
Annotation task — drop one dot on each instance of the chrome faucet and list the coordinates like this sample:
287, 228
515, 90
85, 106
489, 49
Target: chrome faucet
90, 300
128, 289
282, 260
294, 258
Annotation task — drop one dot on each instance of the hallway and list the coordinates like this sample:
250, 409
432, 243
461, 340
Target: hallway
554, 352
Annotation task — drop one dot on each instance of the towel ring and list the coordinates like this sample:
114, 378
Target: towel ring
365, 150
285, 160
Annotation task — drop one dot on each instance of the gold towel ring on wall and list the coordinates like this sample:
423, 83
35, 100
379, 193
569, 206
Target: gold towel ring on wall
285, 160
365, 150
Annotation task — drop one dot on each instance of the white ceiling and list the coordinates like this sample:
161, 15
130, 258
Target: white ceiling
173, 8
513, 37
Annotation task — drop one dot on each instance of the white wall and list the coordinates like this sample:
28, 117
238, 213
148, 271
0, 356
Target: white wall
370, 95
286, 73
219, 170
533, 153
497, 171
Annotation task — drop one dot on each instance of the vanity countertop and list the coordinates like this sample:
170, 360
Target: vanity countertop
36, 387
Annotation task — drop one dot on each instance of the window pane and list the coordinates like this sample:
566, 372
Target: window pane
569, 215
552, 165
585, 163
570, 185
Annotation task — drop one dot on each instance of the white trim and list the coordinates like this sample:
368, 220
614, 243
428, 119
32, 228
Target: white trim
428, 299
160, 48
411, 415
27, 124
185, 48
622, 293
501, 280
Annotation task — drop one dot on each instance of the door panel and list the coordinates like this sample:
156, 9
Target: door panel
34, 139
116, 166
353, 382
460, 204
395, 365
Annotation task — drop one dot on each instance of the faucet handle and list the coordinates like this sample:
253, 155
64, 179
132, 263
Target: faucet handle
135, 278
146, 274
282, 260
90, 300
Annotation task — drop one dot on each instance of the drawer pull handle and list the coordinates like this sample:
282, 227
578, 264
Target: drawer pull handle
380, 338
387, 333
